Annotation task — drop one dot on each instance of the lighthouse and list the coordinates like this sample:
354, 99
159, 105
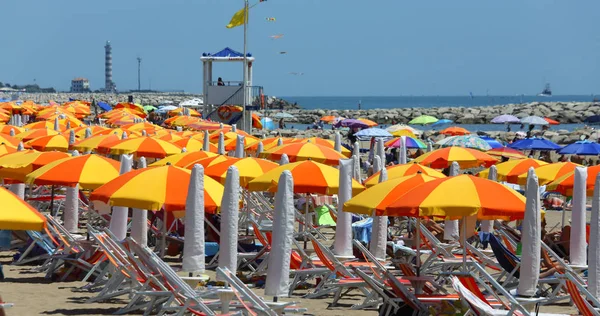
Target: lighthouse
109, 85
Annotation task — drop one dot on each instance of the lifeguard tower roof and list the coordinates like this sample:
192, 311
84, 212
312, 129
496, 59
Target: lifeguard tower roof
226, 54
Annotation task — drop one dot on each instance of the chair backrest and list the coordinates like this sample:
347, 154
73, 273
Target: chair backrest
478, 306
505, 258
329, 259
259, 235
580, 295
41, 241
403, 293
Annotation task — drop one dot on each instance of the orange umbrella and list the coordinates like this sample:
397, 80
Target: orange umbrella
182, 120
80, 130
551, 121
143, 147
231, 143
564, 185
207, 162
249, 168
328, 118
143, 126
131, 106
123, 119
323, 142
368, 122
5, 129
506, 152
181, 110
170, 137
121, 111
189, 134
182, 160
49, 143
207, 126
35, 133
399, 171
192, 144
18, 164
214, 136
9, 140
268, 143
509, 171
7, 149
454, 131
465, 157
44, 125
304, 151
95, 142
550, 172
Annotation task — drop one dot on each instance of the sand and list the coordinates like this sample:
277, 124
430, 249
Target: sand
32, 294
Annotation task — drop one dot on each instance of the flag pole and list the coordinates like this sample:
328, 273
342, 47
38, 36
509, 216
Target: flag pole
245, 83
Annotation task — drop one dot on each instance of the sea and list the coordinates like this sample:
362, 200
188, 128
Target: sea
390, 102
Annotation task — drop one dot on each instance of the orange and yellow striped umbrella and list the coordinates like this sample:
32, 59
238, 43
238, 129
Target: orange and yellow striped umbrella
142, 126
550, 172
181, 110
44, 125
119, 131
123, 119
89, 171
182, 160
368, 122
399, 171
80, 131
144, 147
309, 177
94, 142
189, 134
459, 196
207, 162
182, 120
564, 185
170, 137
17, 214
169, 189
506, 152
509, 171
7, 149
465, 157
115, 112
5, 129
207, 126
249, 169
9, 140
214, 136
4, 117
49, 143
192, 144
132, 106
323, 142
18, 164
268, 143
383, 194
35, 133
11, 107
231, 143
304, 151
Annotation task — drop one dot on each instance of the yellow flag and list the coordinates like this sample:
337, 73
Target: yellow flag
237, 19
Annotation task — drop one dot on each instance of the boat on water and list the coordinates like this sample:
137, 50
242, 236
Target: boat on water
547, 92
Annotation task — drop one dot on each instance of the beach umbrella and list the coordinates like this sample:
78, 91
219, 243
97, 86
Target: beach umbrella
192, 144
581, 148
283, 115
166, 108
35, 133
551, 121
248, 169
205, 126
465, 157
182, 120
7, 149
193, 248
531, 236
17, 214
18, 164
564, 184
399, 171
142, 126
210, 161
367, 133
95, 142
352, 123
44, 125
577, 242
466, 141
506, 119
144, 147
231, 143
89, 171
509, 171
80, 131
132, 106
320, 141
183, 159
168, 190
423, 120
149, 108
184, 111
402, 127
214, 136
410, 143
403, 132
8, 129
9, 140
230, 212
380, 195
49, 143
492, 142
331, 119
268, 143
125, 119
594, 250
506, 152
267, 123
550, 172
169, 137
309, 177
455, 131
368, 122
534, 120
442, 122
304, 151
534, 144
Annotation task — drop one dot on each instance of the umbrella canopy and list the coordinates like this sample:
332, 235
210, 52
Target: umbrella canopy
564, 184
506, 152
131, 106
534, 120
410, 143
166, 108
18, 164
149, 108
268, 143
210, 161
399, 171
320, 141
193, 144
231, 143
459, 196
423, 120
169, 190
352, 123
383, 194
142, 126
35, 133
401, 127
89, 171
581, 148
7, 149
9, 140
304, 151
249, 169
5, 129
442, 122
594, 119
283, 115
169, 137
331, 119
214, 136
534, 144
267, 123
366, 134
509, 171
183, 159
144, 147
465, 157
368, 122
49, 143
551, 121
94, 142
17, 214
44, 125
506, 119
467, 141
309, 177
182, 110
550, 172
455, 131
492, 142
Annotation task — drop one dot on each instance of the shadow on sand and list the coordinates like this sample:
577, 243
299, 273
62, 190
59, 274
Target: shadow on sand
82, 311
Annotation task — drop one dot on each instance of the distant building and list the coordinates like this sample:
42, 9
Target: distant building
80, 85
109, 85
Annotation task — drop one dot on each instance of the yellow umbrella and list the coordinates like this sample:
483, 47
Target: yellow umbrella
183, 159
399, 171
304, 151
509, 171
35, 133
94, 142
18, 164
49, 143
550, 172
323, 142
249, 169
144, 147
16, 214
465, 157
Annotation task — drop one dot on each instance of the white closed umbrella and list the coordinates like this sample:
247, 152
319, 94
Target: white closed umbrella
337, 144
88, 132
278, 269
380, 150
228, 253
239, 146
531, 238
221, 144
233, 128
279, 142
259, 149
20, 146
72, 137
284, 160
12, 132
356, 168
71, 210
380, 223
356, 149
206, 142
402, 155
594, 259
342, 244
451, 229
124, 135
118, 220
578, 245
56, 124
139, 218
193, 247
488, 225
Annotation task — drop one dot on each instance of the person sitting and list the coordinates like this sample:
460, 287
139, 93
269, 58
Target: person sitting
220, 82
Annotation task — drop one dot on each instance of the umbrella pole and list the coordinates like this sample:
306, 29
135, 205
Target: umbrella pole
418, 241
244, 191
52, 201
306, 231
464, 241
163, 236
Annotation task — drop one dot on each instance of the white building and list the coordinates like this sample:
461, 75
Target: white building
80, 85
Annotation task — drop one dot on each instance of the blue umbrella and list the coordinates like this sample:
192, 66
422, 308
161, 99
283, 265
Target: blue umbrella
534, 144
581, 148
373, 132
104, 106
267, 123
492, 142
442, 122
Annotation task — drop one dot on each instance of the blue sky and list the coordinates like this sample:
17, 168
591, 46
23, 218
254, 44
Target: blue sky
343, 47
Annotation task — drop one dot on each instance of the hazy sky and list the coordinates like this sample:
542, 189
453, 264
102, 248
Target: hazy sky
343, 47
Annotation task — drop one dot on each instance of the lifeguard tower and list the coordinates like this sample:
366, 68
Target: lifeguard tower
219, 96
